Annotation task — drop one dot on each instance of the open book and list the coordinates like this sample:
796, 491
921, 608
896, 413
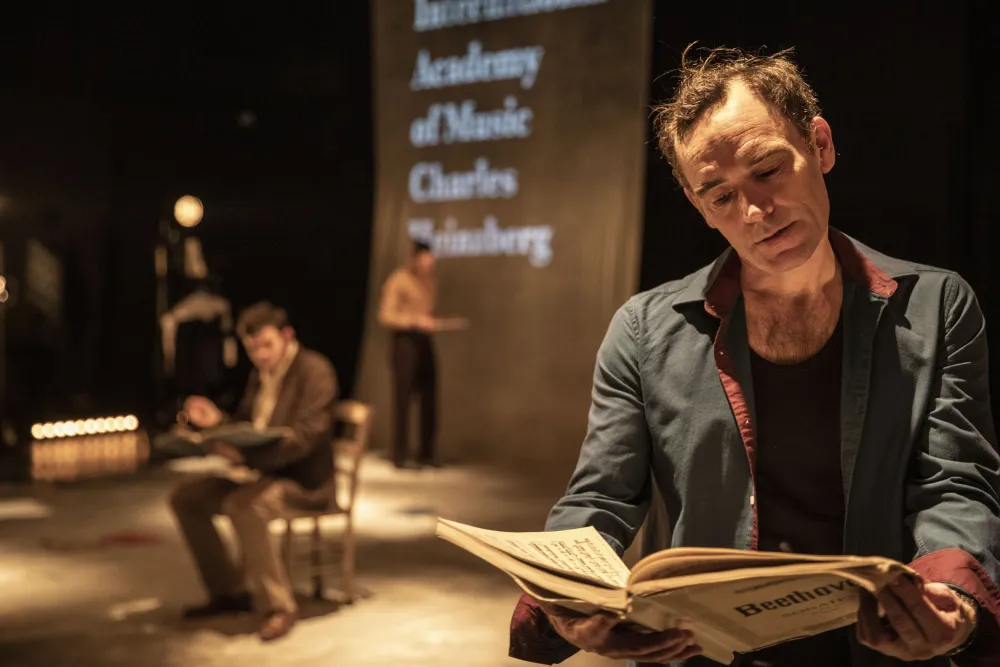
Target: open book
452, 324
733, 601
242, 435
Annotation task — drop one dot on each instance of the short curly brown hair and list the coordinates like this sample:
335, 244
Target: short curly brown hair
703, 85
259, 315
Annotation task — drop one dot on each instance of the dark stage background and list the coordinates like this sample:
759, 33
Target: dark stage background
108, 115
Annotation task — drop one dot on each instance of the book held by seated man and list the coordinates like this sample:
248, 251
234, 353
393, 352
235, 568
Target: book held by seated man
242, 435
733, 601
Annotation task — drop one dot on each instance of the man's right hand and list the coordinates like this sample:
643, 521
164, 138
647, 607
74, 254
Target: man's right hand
425, 324
604, 635
202, 412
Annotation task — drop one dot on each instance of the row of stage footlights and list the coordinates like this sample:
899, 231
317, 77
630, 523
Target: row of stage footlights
69, 429
87, 448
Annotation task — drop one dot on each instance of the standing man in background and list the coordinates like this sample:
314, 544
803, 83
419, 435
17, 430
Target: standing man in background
407, 307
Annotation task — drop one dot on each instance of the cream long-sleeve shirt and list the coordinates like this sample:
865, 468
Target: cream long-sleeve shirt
270, 388
405, 299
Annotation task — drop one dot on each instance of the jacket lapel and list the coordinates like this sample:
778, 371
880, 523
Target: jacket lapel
862, 311
738, 345
286, 395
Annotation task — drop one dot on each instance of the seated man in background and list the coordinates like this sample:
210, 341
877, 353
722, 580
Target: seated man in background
290, 386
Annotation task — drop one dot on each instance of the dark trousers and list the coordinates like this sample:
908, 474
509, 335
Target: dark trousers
414, 374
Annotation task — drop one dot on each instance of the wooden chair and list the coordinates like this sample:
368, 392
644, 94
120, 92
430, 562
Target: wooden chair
353, 418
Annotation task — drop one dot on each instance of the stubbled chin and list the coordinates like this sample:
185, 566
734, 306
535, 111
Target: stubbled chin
787, 257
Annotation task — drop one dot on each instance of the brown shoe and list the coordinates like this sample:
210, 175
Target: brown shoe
220, 606
277, 625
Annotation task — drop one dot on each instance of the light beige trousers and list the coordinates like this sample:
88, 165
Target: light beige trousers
250, 507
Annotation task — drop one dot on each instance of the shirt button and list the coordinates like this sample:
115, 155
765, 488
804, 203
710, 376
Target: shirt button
752, 501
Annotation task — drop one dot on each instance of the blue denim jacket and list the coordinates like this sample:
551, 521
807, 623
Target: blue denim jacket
671, 430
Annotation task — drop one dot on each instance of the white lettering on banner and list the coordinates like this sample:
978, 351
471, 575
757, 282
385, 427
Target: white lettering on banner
430, 183
491, 240
437, 14
463, 124
477, 66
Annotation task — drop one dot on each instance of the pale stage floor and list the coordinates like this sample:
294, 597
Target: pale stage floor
95, 575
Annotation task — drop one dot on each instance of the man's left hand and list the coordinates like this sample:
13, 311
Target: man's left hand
227, 451
922, 621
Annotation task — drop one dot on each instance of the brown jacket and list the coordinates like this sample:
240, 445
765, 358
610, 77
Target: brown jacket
305, 403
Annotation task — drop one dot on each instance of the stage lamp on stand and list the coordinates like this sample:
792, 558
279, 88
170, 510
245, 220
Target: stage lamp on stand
173, 245
188, 211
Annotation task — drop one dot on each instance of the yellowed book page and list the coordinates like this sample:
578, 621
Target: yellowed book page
712, 552
618, 606
768, 610
644, 617
580, 553
452, 324
657, 614
880, 568
686, 562
559, 584
186, 433
681, 561
227, 431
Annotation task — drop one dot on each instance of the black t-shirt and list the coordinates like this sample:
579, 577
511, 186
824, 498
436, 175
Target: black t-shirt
799, 486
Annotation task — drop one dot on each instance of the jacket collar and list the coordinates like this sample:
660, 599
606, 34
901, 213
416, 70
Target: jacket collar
281, 370
717, 286
288, 362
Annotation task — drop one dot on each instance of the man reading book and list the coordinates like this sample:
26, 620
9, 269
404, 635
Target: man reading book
292, 387
802, 393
